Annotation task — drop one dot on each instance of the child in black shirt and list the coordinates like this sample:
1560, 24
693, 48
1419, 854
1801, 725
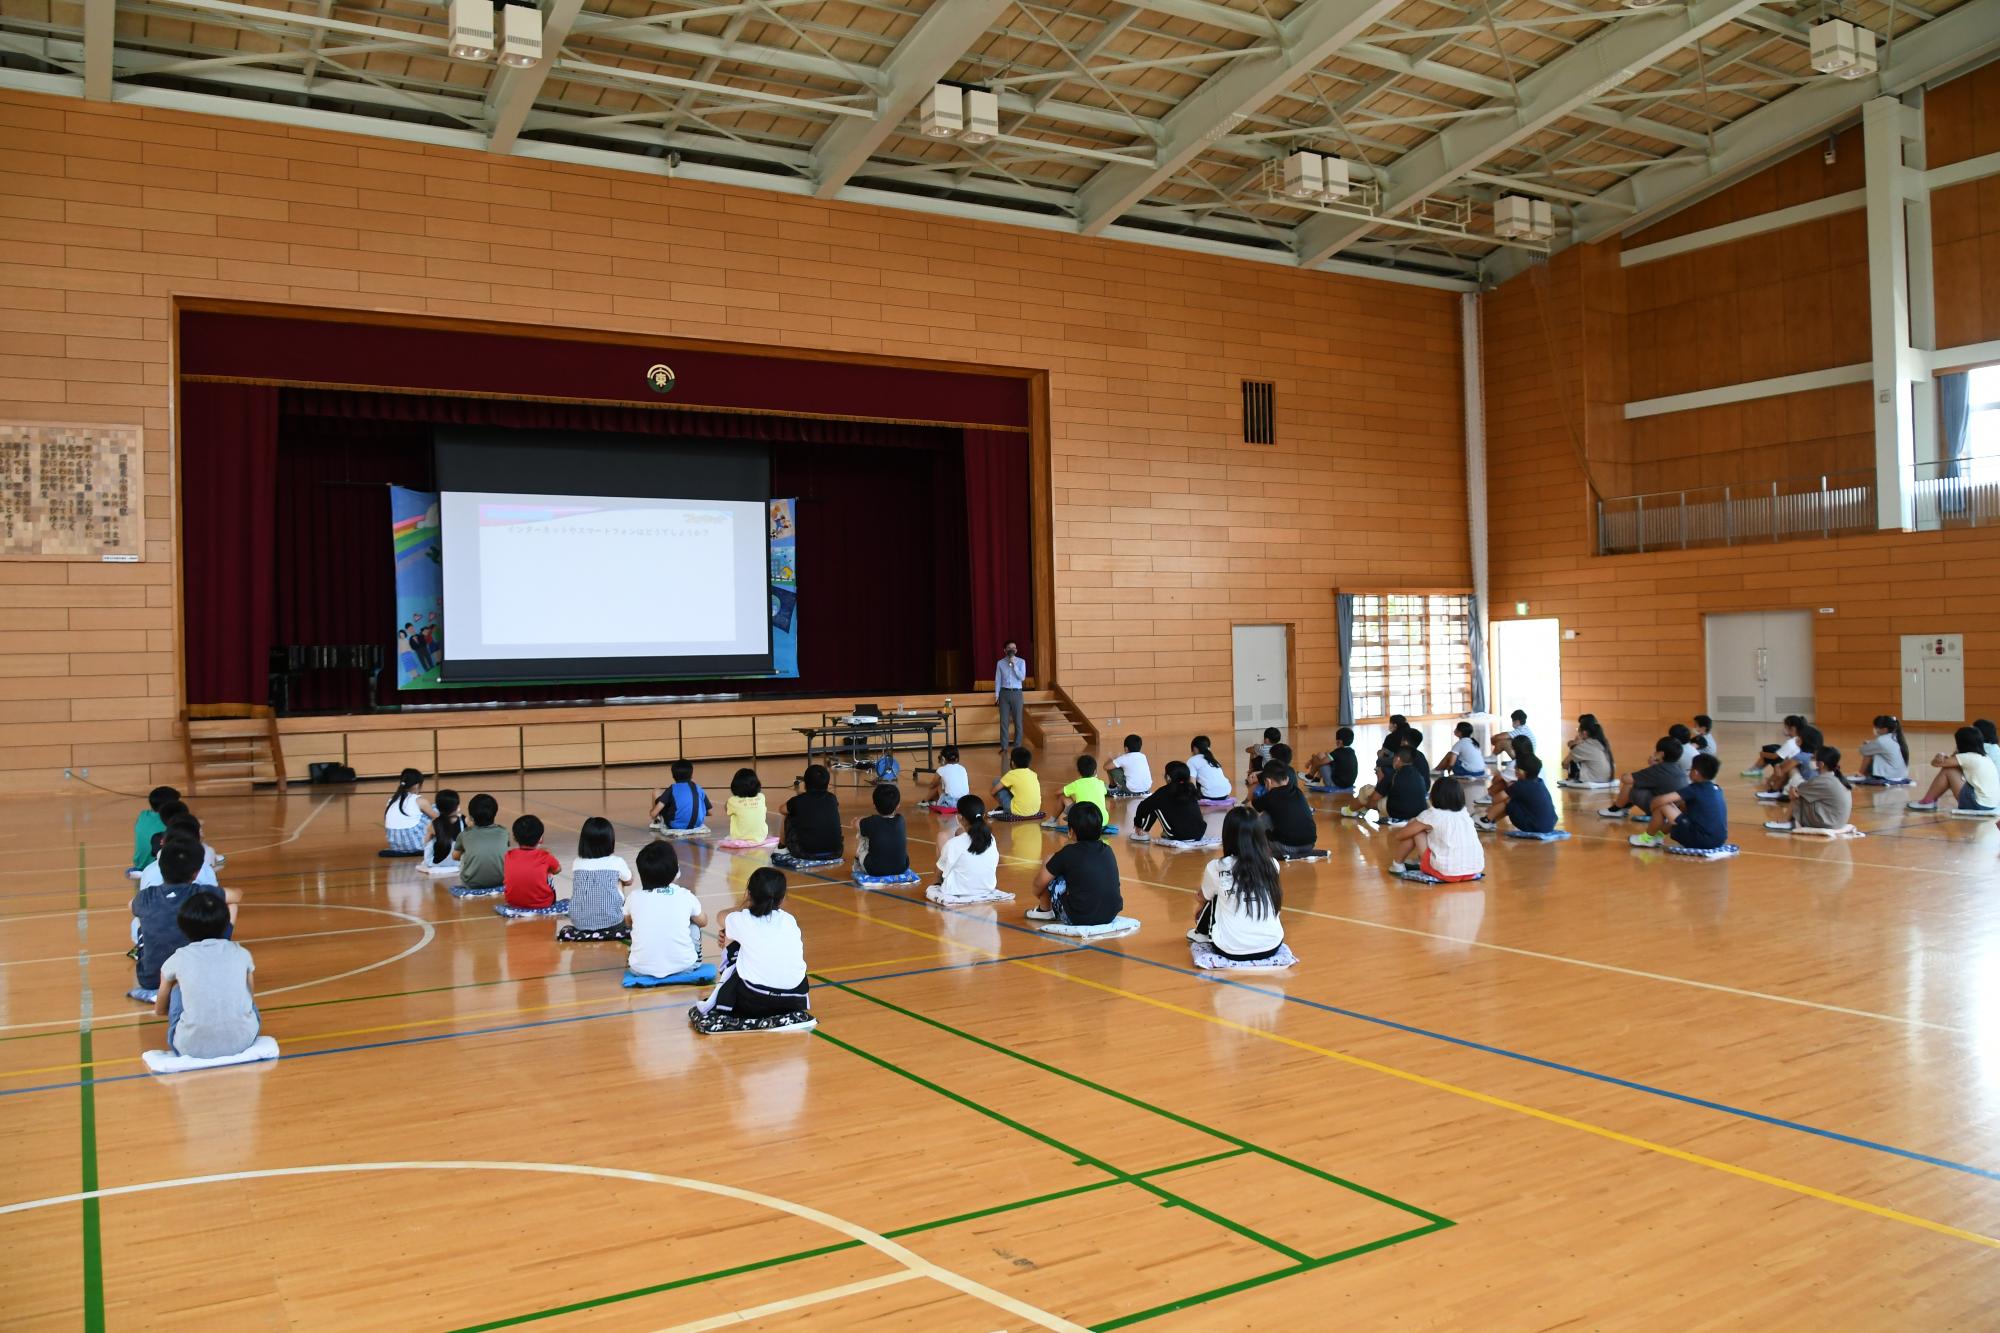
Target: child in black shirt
1174, 808
883, 845
1293, 832
1079, 885
812, 823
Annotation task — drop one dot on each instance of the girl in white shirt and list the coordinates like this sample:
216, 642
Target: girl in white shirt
1207, 774
763, 986
597, 883
1441, 841
1241, 897
666, 918
405, 817
969, 862
1971, 778
950, 783
1885, 756
1465, 759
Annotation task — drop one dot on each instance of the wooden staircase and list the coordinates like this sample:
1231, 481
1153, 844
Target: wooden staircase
229, 756
1055, 726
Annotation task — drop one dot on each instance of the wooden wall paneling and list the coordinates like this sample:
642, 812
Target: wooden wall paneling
649, 741
716, 737
385, 753
478, 748
562, 744
304, 749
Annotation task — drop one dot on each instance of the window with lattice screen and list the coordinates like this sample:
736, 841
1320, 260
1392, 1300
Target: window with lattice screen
1412, 654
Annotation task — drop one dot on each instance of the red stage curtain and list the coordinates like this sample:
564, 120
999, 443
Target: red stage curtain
998, 546
229, 458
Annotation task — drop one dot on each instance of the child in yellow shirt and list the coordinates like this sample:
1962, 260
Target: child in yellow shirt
1018, 789
749, 821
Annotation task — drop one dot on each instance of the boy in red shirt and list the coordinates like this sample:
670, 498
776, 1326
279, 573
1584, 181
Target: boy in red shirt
530, 871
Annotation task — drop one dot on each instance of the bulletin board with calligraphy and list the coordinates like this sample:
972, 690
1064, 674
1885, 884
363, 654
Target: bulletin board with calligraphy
71, 492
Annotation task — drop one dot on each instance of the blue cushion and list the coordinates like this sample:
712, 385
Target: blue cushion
907, 877
467, 891
557, 908
1419, 877
1705, 853
1559, 835
699, 974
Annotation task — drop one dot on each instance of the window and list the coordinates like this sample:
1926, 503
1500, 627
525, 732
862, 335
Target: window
1412, 654
1982, 425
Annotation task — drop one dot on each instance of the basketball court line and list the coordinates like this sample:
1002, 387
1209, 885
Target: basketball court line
790, 1303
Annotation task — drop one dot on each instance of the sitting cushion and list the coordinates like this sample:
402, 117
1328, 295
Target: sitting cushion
698, 831
1209, 843
1416, 876
570, 933
1962, 813
1569, 784
1313, 854
1879, 782
556, 908
964, 897
786, 861
907, 877
1559, 835
1844, 831
1727, 849
746, 844
698, 975
439, 869
716, 1025
1116, 926
941, 807
144, 995
1057, 826
1322, 789
166, 1062
1217, 803
467, 891
1205, 955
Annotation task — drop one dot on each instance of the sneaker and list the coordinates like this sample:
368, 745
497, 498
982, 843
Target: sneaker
1394, 823
1612, 812
1351, 813
1770, 795
1484, 800
1198, 937
1752, 773
1641, 817
1778, 825
1926, 806
1041, 914
1397, 867
1648, 839
1142, 837
1485, 825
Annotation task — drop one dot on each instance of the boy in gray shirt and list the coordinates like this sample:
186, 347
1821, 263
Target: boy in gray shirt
205, 993
482, 849
1662, 777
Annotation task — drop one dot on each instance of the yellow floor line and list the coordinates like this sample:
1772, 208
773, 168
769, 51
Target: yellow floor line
1487, 1099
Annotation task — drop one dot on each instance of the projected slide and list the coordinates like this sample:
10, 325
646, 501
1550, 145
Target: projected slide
579, 586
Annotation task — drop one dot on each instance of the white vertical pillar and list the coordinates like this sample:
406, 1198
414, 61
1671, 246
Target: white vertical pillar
1892, 186
1472, 372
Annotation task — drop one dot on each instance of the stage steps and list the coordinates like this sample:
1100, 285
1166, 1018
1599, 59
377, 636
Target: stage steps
1055, 726
230, 756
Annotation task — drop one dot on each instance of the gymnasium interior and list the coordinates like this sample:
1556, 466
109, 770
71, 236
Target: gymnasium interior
542, 396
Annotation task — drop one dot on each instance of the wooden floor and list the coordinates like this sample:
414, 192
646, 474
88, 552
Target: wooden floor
1600, 1089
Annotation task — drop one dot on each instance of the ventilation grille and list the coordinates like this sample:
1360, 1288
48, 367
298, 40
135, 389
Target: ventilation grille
1794, 703
1260, 412
1736, 703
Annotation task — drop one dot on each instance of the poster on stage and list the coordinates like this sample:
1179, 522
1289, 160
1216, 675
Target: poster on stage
413, 521
419, 628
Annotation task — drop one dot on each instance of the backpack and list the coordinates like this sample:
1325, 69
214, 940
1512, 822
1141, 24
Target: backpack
887, 769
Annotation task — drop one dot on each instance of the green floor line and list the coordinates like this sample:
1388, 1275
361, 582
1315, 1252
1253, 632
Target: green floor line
849, 988
93, 1234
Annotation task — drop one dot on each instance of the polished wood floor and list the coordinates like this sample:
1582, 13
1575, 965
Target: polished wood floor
1600, 1089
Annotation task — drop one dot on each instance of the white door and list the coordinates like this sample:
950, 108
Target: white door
1760, 665
1527, 674
1262, 690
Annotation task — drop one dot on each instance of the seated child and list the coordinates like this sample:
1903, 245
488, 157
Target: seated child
749, 821
950, 783
1175, 809
811, 829
1131, 772
1087, 789
682, 806
1789, 773
969, 862
1240, 893
1400, 799
1440, 841
1521, 748
441, 840
404, 818
1526, 802
1885, 756
1079, 885
1018, 789
187, 831
598, 879
1589, 762
1661, 777
529, 872
1208, 776
763, 981
182, 821
1463, 760
204, 992
1260, 754
149, 822
1339, 768
881, 844
666, 918
1822, 801
1503, 740
1280, 753
1696, 816
1679, 731
1967, 774
1704, 739
1773, 755
482, 849
1285, 807
157, 908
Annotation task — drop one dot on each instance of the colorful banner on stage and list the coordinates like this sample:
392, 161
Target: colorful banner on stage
413, 517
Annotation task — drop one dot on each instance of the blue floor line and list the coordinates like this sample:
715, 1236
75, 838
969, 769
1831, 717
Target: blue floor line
1760, 1117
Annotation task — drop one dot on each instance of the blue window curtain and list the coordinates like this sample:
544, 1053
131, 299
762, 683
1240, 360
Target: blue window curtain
1343, 616
1955, 409
1478, 645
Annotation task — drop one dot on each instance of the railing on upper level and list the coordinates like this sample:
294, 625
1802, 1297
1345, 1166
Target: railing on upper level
1738, 515
1962, 494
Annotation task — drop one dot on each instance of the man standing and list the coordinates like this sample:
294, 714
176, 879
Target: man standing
1010, 674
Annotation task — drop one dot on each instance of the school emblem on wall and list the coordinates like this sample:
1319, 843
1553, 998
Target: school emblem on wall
660, 378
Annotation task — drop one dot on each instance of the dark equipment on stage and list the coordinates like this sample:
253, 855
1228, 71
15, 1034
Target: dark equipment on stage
292, 660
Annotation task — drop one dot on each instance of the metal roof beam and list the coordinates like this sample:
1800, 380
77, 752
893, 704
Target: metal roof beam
1549, 94
100, 28
515, 90
1313, 33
